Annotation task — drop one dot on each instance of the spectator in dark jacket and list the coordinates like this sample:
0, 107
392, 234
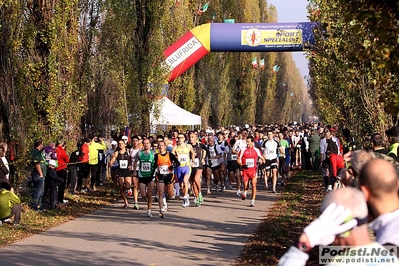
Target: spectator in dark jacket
54, 181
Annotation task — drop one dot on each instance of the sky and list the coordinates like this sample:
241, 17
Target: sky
293, 11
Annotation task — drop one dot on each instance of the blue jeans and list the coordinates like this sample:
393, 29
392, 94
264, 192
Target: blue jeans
38, 185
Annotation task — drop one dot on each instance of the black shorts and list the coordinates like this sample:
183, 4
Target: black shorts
271, 164
146, 180
232, 166
167, 179
215, 168
123, 173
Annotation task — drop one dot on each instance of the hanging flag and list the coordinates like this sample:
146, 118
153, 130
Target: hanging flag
254, 63
203, 9
262, 63
276, 68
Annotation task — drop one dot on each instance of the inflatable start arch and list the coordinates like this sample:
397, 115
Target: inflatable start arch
236, 37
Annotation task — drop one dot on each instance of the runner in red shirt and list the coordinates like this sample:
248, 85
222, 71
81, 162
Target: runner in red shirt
247, 158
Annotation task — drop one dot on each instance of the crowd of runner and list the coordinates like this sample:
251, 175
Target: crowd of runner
178, 164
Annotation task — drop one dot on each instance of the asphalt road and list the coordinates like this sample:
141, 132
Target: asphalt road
213, 234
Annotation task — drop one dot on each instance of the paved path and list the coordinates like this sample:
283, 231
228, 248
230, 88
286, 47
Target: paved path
213, 234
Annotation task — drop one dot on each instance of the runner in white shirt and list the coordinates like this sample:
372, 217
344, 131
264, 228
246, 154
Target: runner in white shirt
133, 151
270, 153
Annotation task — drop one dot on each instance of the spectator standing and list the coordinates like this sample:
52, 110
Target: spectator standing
73, 170
314, 149
84, 169
95, 146
54, 181
61, 170
38, 174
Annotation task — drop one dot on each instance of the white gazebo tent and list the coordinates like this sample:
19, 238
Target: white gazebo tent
166, 113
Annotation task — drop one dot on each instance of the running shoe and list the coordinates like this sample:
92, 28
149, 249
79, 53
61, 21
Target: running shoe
195, 200
208, 192
161, 214
238, 193
243, 196
183, 204
252, 204
187, 202
149, 214
200, 198
274, 190
156, 198
230, 187
125, 206
136, 206
164, 208
198, 203
222, 188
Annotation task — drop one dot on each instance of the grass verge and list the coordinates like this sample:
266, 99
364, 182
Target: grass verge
297, 207
33, 222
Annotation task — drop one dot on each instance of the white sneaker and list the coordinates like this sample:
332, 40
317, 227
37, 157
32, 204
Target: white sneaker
184, 202
164, 208
238, 193
149, 214
329, 187
252, 204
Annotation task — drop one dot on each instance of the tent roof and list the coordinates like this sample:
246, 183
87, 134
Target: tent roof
172, 114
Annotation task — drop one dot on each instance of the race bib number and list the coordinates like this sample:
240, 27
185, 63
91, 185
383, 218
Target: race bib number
145, 167
183, 158
123, 164
196, 162
250, 163
163, 169
270, 152
298, 146
234, 157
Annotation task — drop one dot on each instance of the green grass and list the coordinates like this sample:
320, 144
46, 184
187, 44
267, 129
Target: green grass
33, 222
297, 206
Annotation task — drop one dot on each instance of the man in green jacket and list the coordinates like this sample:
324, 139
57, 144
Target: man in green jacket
10, 205
314, 146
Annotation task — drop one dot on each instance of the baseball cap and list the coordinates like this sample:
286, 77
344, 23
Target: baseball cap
393, 131
124, 137
114, 142
52, 162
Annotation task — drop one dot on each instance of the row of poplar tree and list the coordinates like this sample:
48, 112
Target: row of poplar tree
68, 67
